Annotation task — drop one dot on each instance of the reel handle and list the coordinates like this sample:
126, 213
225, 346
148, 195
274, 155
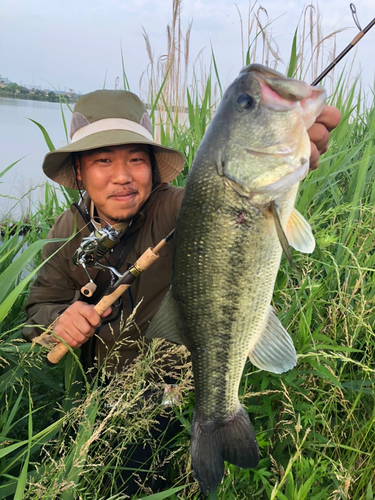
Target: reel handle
89, 289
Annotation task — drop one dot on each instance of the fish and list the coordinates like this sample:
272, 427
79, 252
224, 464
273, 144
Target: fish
237, 216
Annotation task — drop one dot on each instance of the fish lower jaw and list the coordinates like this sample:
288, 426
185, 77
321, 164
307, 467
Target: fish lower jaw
262, 197
285, 183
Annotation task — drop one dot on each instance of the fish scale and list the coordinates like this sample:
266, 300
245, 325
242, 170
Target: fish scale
236, 216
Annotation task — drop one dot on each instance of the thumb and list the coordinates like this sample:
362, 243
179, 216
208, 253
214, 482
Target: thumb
107, 312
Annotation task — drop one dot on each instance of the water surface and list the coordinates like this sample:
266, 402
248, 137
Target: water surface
19, 137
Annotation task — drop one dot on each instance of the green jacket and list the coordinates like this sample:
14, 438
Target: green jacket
59, 281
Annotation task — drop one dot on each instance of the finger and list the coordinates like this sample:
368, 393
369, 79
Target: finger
330, 117
60, 334
314, 157
107, 312
90, 315
319, 135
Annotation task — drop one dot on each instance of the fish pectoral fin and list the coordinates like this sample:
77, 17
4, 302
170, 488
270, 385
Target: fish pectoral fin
298, 233
166, 322
274, 350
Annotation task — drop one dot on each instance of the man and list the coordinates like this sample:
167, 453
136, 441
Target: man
125, 174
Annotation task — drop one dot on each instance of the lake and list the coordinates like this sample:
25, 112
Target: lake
19, 137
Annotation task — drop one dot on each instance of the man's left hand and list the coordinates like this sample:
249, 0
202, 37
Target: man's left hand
320, 131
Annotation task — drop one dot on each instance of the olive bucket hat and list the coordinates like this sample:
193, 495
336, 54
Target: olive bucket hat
109, 118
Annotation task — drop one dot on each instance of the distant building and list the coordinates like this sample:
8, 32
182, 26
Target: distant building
5, 81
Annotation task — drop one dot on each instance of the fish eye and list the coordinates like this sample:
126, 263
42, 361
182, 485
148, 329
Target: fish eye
243, 102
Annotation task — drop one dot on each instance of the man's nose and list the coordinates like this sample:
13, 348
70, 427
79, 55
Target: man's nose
121, 172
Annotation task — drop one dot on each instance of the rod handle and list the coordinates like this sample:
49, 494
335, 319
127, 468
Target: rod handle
55, 354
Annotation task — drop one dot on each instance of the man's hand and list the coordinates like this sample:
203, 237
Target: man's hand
78, 323
319, 133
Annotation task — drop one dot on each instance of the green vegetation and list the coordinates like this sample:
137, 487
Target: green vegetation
63, 436
20, 92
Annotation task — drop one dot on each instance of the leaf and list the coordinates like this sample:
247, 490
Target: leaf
12, 414
11, 274
9, 378
51, 147
70, 195
63, 119
293, 57
339, 348
37, 440
124, 77
164, 494
325, 373
281, 496
216, 72
290, 488
9, 449
369, 493
304, 490
19, 495
10, 166
7, 489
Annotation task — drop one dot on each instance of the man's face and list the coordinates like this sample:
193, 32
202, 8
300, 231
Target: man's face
118, 179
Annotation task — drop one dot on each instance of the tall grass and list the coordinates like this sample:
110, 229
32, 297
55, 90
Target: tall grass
66, 436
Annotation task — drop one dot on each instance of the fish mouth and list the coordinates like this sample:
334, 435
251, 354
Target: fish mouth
280, 151
285, 182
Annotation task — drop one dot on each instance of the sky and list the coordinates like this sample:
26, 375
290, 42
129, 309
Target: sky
76, 44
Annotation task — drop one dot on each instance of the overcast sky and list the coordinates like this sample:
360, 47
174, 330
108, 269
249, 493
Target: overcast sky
76, 43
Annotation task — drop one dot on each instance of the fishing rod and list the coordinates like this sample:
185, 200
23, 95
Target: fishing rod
97, 246
356, 39
113, 292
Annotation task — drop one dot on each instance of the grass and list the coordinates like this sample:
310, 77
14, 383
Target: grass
64, 436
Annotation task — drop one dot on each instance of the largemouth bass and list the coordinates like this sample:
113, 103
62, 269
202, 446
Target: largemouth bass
236, 216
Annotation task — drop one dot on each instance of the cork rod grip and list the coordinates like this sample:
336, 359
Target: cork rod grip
58, 352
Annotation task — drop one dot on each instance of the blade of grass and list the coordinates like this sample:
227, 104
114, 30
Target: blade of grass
47, 138
19, 495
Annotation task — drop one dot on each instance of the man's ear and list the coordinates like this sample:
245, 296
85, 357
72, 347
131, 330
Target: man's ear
77, 167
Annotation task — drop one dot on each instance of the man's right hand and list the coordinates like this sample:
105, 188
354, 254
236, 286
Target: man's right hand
78, 323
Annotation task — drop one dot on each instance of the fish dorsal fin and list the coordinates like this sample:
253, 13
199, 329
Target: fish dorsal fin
298, 233
166, 323
280, 233
274, 350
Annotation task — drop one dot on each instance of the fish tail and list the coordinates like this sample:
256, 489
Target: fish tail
214, 441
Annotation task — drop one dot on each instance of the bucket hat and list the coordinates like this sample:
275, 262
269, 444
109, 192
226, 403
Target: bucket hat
109, 118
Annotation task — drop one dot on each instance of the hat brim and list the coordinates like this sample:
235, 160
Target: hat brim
58, 166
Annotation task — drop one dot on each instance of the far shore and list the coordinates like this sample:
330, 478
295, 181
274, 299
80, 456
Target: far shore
41, 98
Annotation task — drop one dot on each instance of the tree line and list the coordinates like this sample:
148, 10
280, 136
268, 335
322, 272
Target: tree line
20, 92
